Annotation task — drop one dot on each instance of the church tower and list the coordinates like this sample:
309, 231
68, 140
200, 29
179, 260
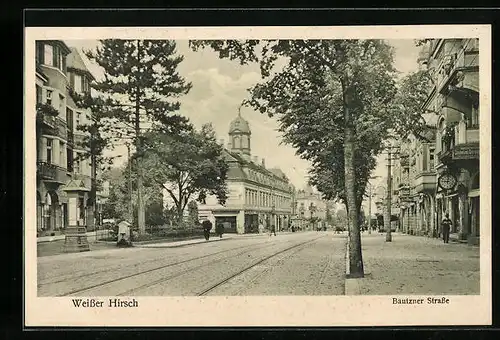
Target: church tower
239, 135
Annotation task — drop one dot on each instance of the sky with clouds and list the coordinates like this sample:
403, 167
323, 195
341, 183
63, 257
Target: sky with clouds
219, 86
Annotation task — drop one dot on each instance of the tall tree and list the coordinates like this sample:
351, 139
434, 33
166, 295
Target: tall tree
95, 140
329, 93
188, 165
141, 85
193, 212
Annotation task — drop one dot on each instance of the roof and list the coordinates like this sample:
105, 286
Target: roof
275, 172
239, 124
75, 185
75, 61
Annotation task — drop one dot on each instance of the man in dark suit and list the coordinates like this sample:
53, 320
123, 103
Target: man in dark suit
446, 225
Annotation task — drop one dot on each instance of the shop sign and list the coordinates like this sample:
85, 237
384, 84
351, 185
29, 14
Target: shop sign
465, 152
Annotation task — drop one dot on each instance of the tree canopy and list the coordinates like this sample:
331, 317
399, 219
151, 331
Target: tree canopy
187, 165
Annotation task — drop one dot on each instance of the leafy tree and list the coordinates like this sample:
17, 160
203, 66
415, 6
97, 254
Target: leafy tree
328, 215
193, 212
141, 84
412, 93
120, 198
341, 217
330, 93
154, 214
186, 166
95, 139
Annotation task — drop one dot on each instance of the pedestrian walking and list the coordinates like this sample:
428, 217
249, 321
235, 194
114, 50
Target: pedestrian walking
219, 230
446, 225
207, 226
261, 228
273, 230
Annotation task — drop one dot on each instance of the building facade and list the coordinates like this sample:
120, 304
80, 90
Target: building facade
311, 209
443, 173
455, 100
62, 164
257, 195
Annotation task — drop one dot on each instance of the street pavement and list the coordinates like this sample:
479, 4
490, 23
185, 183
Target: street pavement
417, 265
305, 263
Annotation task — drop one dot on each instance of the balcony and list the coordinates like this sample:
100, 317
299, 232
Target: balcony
425, 182
53, 126
51, 173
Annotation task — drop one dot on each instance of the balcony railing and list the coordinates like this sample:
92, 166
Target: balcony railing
54, 126
52, 173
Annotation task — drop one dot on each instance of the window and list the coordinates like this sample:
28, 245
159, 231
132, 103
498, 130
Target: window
69, 119
78, 119
38, 94
62, 147
61, 103
474, 121
69, 159
48, 58
77, 83
49, 151
76, 164
431, 160
48, 97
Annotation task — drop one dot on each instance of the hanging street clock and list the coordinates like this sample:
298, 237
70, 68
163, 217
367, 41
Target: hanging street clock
447, 181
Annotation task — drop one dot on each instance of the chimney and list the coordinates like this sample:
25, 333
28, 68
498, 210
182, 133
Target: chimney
221, 141
256, 159
229, 145
263, 162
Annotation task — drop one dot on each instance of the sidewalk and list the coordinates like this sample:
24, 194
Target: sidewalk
61, 237
416, 265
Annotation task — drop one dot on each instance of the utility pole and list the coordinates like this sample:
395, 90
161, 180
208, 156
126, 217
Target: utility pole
131, 206
370, 209
387, 219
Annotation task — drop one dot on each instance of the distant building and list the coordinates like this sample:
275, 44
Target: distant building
257, 195
310, 205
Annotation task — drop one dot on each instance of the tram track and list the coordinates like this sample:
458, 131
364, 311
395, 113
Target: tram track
163, 279
95, 273
253, 265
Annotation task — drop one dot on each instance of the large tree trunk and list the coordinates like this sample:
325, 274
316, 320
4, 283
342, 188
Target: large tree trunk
355, 256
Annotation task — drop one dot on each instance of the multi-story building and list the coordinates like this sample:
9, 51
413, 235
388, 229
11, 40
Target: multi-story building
415, 182
310, 207
257, 195
454, 99
62, 163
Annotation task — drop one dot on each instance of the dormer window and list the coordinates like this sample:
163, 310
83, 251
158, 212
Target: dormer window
51, 54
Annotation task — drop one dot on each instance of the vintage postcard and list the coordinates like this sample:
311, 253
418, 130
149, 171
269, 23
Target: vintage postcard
258, 176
